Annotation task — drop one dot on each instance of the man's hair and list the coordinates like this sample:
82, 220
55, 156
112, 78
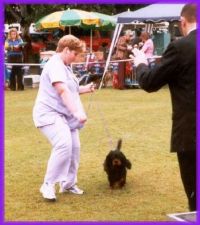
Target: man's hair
189, 12
72, 42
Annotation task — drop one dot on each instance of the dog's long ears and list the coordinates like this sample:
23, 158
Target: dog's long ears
119, 144
128, 164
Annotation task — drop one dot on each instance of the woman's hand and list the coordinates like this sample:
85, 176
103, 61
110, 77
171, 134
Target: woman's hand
140, 44
16, 47
68, 101
81, 117
87, 88
91, 87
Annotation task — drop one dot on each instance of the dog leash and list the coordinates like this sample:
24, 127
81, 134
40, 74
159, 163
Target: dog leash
106, 130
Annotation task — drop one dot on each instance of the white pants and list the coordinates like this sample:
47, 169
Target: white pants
64, 159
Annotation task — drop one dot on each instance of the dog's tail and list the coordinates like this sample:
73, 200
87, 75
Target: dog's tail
119, 144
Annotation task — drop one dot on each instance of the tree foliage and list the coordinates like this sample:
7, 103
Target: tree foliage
27, 14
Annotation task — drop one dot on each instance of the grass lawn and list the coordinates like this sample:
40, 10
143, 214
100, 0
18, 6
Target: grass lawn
142, 120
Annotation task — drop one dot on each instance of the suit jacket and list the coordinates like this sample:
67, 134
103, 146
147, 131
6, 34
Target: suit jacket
177, 69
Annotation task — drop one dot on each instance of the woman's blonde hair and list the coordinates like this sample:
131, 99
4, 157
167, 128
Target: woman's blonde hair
72, 42
13, 30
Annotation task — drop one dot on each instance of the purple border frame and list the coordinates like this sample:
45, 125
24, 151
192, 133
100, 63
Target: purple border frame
2, 3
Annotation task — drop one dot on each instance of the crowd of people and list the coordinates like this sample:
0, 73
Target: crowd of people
19, 51
126, 43
31, 47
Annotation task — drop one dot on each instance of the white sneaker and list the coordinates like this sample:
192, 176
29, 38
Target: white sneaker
74, 189
48, 191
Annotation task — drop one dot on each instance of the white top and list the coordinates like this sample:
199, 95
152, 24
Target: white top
48, 103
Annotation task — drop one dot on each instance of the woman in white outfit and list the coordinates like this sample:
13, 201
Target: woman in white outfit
59, 114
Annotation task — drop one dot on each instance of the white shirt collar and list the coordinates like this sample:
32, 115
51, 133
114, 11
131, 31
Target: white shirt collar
194, 28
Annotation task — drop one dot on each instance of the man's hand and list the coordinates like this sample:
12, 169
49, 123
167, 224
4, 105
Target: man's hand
138, 57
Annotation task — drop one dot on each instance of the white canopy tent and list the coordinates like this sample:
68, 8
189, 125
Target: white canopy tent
149, 15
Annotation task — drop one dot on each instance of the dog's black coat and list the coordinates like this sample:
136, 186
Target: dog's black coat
116, 165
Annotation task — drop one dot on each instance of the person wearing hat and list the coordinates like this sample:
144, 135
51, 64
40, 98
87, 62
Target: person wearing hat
13, 45
123, 49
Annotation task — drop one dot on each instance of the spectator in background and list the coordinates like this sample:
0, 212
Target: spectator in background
104, 48
123, 49
27, 50
14, 45
148, 46
136, 39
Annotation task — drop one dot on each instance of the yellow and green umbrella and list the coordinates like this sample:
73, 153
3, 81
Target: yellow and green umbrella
75, 17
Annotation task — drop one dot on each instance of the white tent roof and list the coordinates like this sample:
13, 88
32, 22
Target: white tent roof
152, 13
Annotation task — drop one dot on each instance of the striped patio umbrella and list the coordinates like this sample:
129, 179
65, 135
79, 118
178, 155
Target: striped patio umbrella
107, 22
75, 17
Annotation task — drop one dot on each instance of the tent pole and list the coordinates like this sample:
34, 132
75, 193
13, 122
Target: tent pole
115, 35
119, 31
148, 28
91, 40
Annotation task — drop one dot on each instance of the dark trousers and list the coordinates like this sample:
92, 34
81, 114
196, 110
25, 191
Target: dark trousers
121, 74
16, 76
187, 165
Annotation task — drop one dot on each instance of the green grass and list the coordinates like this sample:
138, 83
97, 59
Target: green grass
142, 120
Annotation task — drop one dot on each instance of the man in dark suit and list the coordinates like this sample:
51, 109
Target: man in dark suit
178, 69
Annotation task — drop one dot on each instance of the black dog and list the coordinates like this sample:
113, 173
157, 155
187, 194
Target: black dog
115, 166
